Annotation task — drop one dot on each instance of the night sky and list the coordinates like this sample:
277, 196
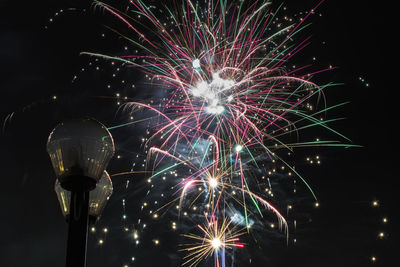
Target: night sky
44, 81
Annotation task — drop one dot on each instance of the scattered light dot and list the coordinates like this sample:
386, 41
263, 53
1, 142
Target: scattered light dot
135, 235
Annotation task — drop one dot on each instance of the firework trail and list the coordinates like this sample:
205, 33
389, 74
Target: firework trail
230, 101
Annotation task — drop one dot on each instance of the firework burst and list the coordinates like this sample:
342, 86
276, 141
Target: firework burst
214, 239
225, 74
218, 180
229, 99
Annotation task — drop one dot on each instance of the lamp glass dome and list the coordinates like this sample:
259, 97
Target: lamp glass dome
98, 197
81, 147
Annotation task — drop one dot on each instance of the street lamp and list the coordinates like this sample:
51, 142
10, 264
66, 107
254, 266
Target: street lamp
98, 198
79, 150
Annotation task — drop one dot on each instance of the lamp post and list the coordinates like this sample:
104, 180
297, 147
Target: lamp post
80, 151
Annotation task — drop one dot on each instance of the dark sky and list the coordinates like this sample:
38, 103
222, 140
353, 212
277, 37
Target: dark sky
39, 59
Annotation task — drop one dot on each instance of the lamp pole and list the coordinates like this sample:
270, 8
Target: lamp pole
78, 218
80, 151
77, 229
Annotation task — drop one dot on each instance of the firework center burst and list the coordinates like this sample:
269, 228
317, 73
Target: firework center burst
213, 182
216, 243
215, 94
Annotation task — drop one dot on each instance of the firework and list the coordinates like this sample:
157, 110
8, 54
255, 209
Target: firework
216, 237
225, 77
229, 104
